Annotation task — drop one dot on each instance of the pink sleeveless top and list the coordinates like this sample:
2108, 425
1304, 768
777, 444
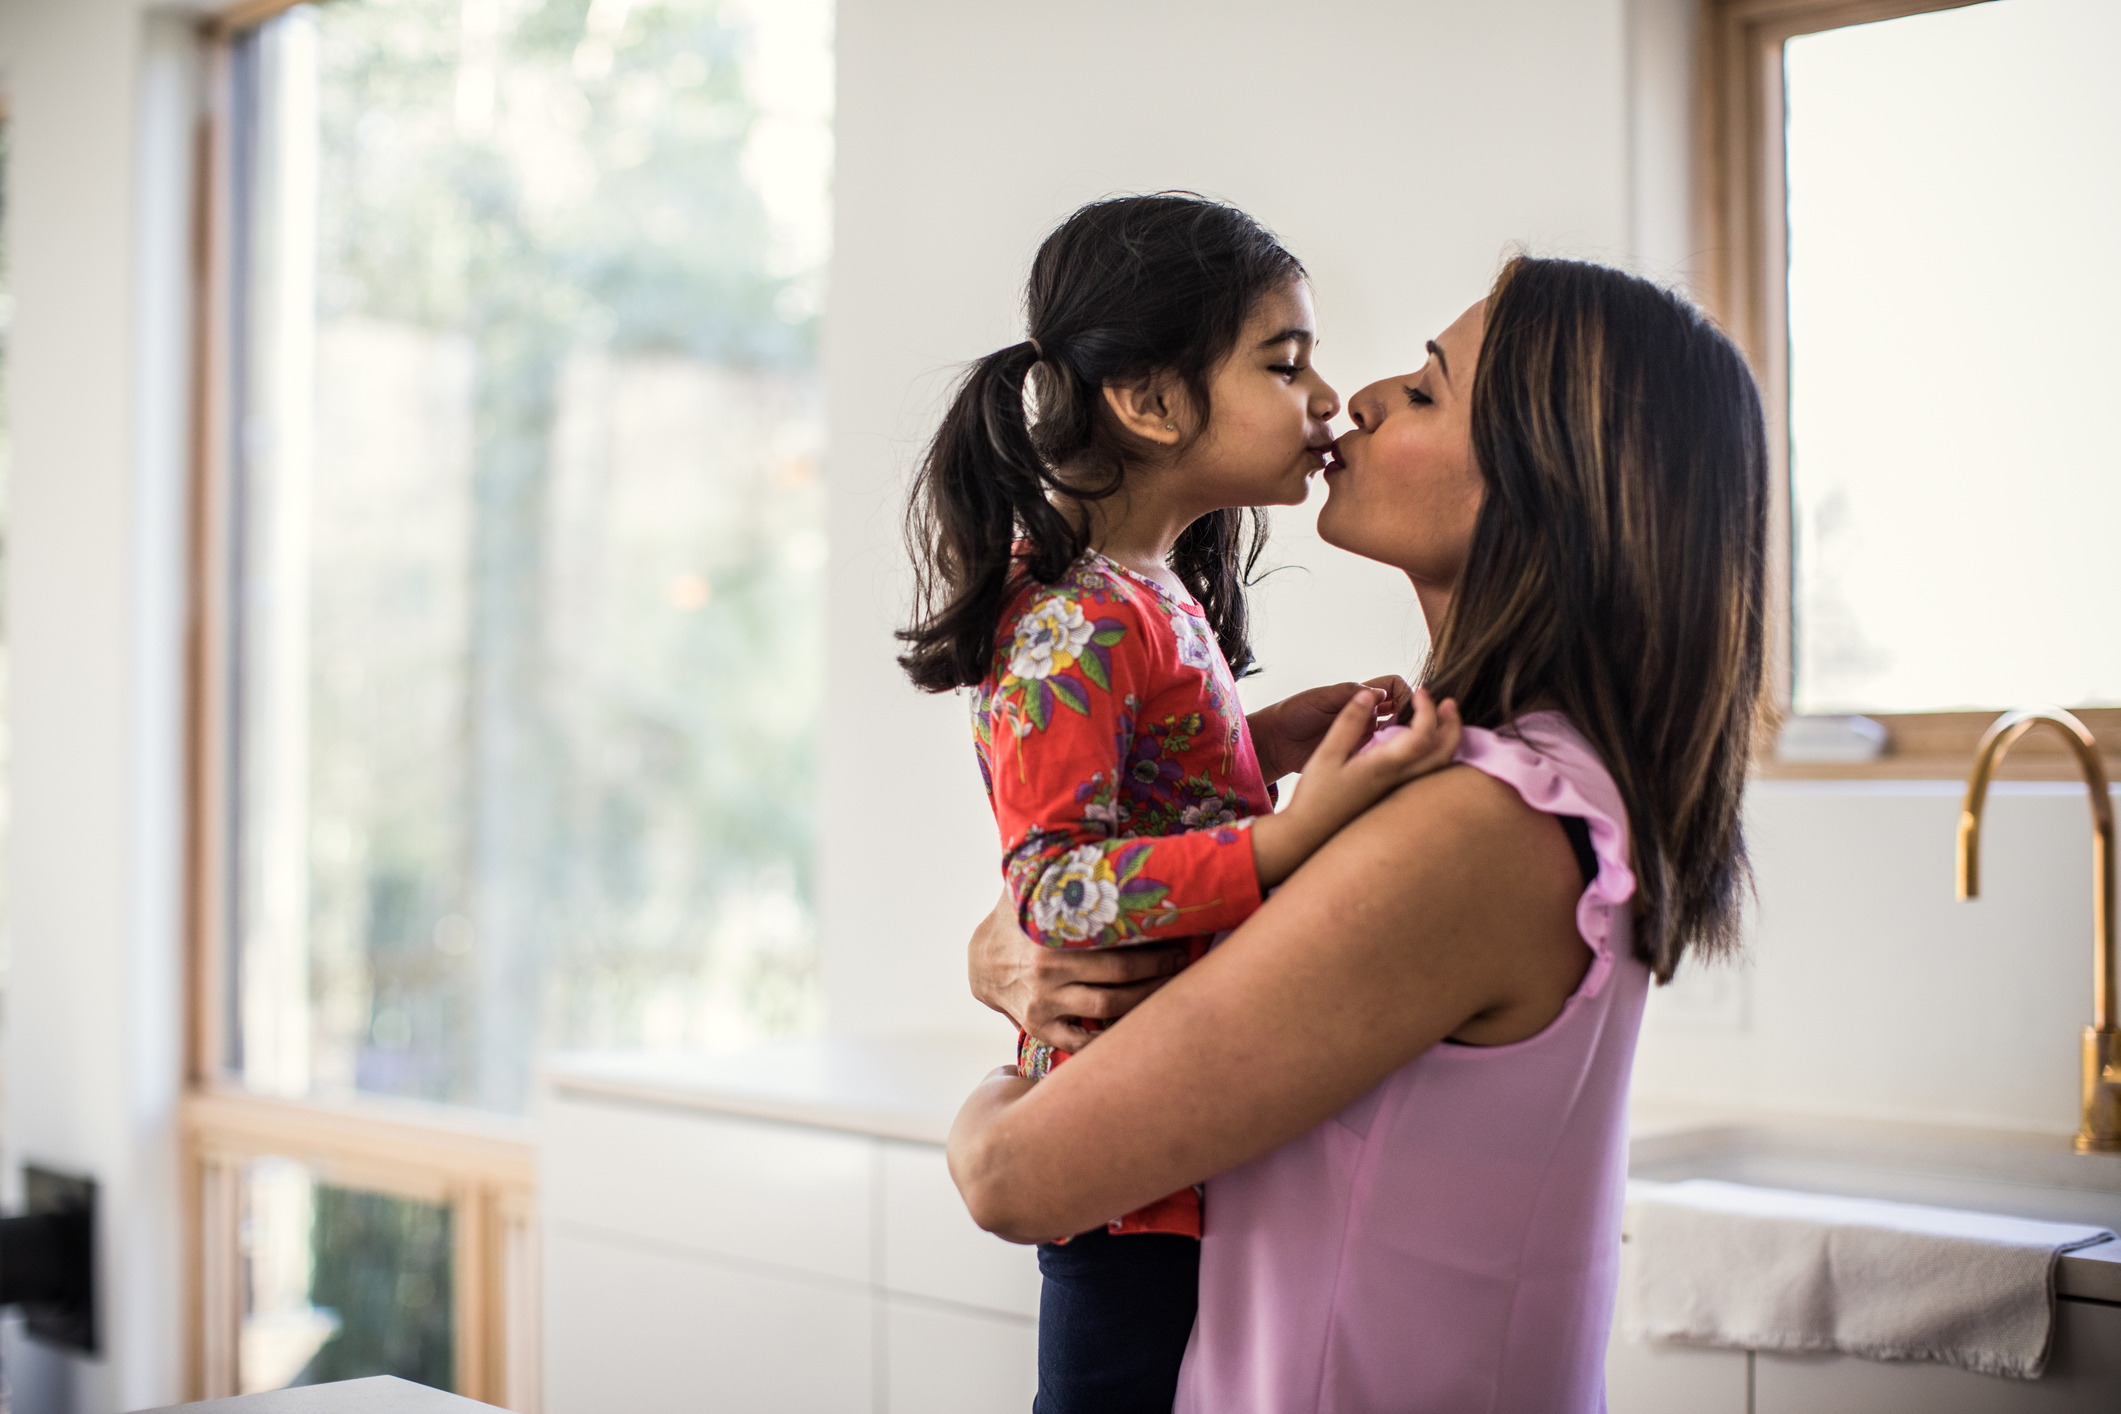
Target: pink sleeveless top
1451, 1241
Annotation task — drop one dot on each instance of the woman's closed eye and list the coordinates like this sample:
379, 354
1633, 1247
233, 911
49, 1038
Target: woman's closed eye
1287, 370
1418, 398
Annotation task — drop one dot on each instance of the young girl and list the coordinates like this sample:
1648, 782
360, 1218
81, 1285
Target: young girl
1083, 570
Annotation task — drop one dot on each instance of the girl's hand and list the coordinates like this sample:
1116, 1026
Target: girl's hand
1286, 733
1343, 778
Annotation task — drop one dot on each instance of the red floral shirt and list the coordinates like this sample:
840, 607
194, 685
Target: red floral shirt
1122, 778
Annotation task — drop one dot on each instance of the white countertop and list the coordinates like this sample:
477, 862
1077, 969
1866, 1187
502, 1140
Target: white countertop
899, 1089
378, 1394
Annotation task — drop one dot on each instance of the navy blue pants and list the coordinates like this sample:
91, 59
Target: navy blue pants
1114, 1315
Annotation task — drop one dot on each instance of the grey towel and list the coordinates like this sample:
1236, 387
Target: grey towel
1765, 1269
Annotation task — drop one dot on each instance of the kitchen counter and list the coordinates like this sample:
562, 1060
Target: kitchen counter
910, 1090
901, 1089
379, 1394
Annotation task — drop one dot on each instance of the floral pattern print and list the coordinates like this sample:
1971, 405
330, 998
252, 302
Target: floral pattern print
1122, 779
1049, 638
1195, 648
1120, 772
1056, 656
1077, 900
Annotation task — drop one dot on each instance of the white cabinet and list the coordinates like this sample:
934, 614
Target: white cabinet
703, 1261
932, 1247
2083, 1377
780, 1194
1661, 1377
942, 1361
646, 1331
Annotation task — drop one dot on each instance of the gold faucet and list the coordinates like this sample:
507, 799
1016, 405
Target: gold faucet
2100, 1129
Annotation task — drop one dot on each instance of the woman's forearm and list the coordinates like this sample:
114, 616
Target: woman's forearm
1379, 947
978, 1163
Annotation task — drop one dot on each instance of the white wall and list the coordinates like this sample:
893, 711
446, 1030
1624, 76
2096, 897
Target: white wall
1398, 146
1867, 990
100, 98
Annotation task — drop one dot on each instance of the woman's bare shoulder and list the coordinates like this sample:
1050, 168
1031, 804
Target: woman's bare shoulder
1452, 820
1456, 875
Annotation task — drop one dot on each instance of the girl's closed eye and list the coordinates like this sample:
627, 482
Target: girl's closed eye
1418, 398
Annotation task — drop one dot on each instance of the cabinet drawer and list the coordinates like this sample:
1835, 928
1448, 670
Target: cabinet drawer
1662, 1377
950, 1362
2083, 1377
627, 1329
933, 1248
793, 1198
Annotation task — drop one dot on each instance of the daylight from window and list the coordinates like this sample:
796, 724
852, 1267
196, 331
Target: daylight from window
7, 313
1954, 190
531, 535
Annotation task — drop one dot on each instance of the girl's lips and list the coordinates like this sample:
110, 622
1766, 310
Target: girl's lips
1334, 463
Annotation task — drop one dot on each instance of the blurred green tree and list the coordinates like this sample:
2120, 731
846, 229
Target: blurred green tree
549, 181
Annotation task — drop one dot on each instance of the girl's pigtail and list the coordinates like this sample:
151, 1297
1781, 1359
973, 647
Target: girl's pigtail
1128, 288
979, 507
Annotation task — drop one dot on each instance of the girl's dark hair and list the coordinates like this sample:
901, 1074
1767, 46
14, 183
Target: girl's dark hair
1618, 569
1126, 288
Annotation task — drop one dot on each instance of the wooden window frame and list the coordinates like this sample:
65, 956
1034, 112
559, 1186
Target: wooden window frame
1741, 224
482, 1167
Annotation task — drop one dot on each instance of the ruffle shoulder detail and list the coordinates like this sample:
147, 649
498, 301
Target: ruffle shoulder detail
1547, 762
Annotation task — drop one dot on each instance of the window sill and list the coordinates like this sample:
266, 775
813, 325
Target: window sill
1939, 746
427, 1149
2029, 767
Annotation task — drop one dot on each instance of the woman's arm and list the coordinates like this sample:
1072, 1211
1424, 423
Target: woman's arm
1448, 909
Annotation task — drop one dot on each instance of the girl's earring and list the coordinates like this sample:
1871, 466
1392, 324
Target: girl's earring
1170, 427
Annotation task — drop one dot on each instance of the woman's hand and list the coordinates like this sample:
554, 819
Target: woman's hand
1345, 777
1049, 992
1286, 733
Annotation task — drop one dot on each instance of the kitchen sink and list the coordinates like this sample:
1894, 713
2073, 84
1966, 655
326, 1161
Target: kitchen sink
2020, 1174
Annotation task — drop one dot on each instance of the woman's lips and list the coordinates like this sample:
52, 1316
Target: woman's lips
1333, 462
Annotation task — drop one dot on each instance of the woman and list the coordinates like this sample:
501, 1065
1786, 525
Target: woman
1418, 1156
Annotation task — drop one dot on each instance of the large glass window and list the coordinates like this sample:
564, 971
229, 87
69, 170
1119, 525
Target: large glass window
7, 319
1954, 187
339, 1283
530, 534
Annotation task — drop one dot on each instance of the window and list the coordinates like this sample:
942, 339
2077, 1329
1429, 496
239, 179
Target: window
511, 555
1901, 194
339, 1283
6, 322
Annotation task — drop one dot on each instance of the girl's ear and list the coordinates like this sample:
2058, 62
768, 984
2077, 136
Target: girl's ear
1150, 410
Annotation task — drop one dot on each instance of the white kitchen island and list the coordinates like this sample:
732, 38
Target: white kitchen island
774, 1231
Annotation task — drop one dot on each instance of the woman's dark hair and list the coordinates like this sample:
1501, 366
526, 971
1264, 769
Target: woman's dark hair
1618, 569
1127, 288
